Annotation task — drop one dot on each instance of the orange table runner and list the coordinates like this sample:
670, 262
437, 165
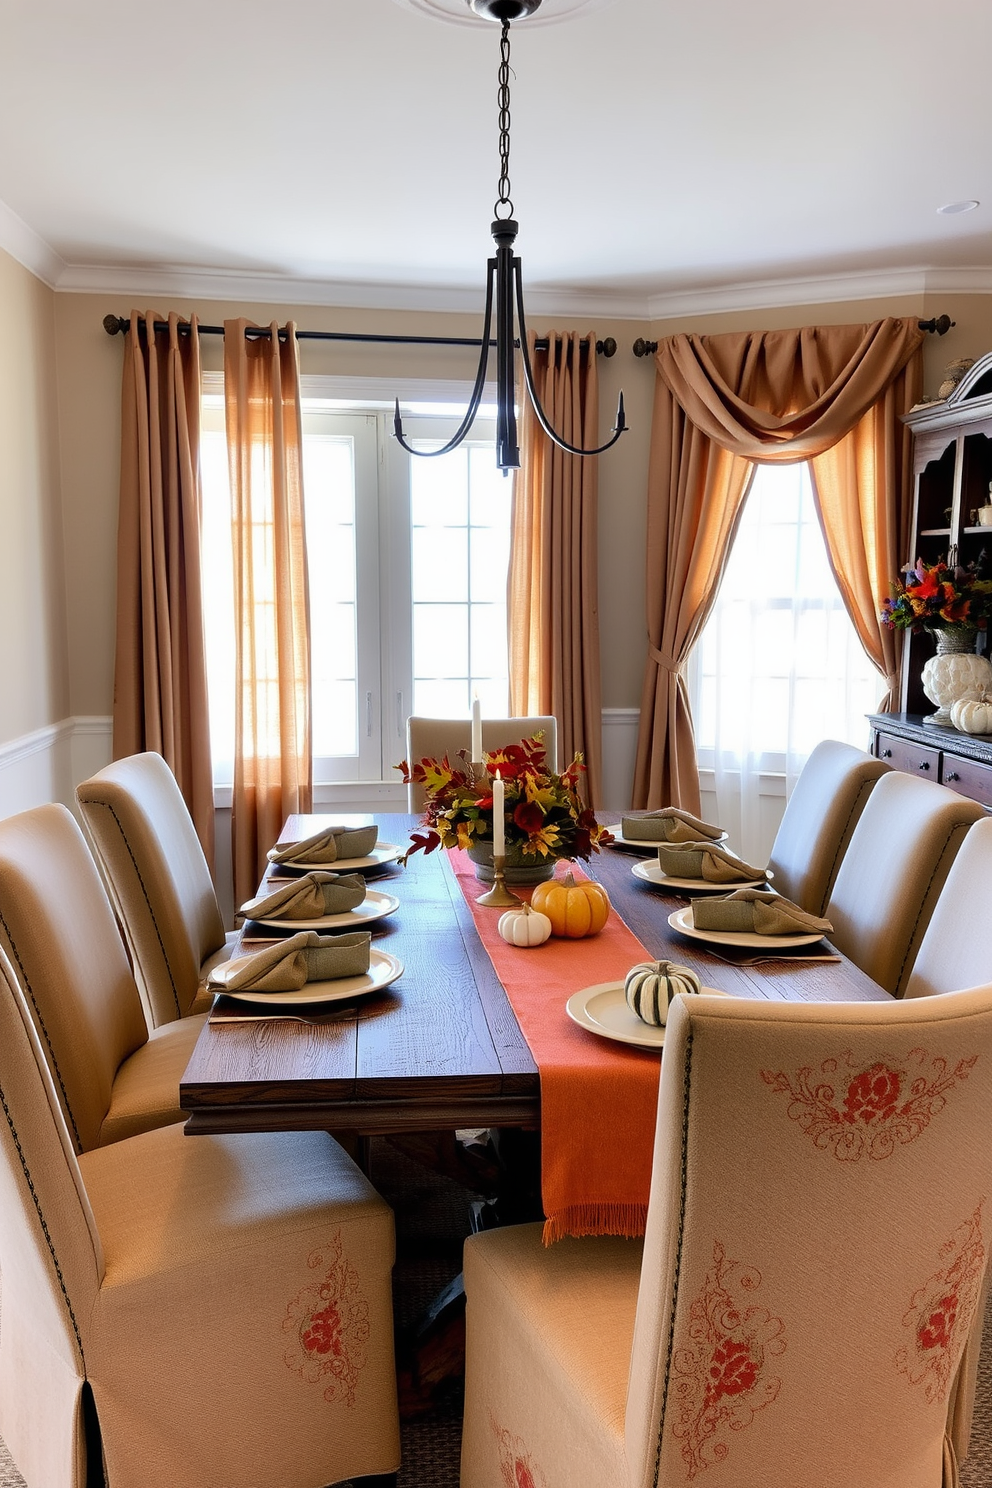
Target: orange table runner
598, 1097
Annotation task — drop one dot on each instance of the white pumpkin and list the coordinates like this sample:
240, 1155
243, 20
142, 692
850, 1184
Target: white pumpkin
524, 926
650, 986
973, 715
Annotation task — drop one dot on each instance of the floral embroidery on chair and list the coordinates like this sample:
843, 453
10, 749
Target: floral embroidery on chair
942, 1311
515, 1466
329, 1324
860, 1110
720, 1376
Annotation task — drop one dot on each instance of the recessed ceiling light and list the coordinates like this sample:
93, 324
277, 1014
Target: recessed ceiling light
953, 208
456, 12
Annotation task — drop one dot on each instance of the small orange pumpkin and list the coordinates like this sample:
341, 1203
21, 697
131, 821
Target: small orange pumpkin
575, 909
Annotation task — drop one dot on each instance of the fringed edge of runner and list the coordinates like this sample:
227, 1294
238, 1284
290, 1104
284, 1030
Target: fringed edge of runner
627, 1220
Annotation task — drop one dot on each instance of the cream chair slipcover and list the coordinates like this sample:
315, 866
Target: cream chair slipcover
956, 950
820, 816
805, 1309
159, 882
431, 738
58, 928
225, 1299
886, 887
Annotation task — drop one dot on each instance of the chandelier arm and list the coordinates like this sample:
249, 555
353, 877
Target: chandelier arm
620, 427
477, 390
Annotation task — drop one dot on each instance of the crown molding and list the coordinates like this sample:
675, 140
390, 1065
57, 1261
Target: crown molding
28, 248
824, 289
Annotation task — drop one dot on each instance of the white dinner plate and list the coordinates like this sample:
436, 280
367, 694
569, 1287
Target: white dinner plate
652, 873
649, 844
681, 919
603, 1009
384, 852
383, 969
373, 907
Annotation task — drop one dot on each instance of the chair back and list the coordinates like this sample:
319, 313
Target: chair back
956, 950
51, 1258
158, 879
889, 880
431, 738
58, 928
816, 1245
819, 820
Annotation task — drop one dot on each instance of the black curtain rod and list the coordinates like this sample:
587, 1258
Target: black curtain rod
940, 324
114, 324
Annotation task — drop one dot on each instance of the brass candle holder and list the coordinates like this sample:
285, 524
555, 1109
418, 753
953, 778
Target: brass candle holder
499, 896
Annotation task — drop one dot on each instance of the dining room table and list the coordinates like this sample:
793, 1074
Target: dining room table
442, 1047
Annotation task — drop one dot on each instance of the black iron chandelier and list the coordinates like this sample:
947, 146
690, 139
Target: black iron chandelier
505, 270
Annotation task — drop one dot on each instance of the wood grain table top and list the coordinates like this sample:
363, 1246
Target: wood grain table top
440, 1048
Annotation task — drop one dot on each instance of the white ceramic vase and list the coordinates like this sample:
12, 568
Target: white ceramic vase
954, 671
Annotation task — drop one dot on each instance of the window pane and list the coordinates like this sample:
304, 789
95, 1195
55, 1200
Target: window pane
442, 699
440, 641
335, 720
440, 564
439, 487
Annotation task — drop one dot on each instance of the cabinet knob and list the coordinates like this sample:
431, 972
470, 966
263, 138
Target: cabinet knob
952, 775
924, 765
886, 753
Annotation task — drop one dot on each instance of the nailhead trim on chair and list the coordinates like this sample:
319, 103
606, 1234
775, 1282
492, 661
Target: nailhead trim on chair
41, 1022
909, 946
684, 1178
843, 842
44, 1226
175, 994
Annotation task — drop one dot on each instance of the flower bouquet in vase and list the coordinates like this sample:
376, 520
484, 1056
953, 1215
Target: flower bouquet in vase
953, 605
544, 817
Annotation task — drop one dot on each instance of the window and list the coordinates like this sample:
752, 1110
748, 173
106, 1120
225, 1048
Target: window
408, 561
778, 666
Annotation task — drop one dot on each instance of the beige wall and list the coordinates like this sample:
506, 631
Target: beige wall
89, 364
33, 668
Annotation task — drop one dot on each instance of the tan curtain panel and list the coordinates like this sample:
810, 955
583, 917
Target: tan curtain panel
721, 404
552, 588
160, 675
272, 749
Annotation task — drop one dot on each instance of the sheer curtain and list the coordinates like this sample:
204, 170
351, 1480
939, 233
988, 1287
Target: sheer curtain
779, 664
272, 746
552, 589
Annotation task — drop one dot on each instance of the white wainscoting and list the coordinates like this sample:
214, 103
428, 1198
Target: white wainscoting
619, 753
48, 764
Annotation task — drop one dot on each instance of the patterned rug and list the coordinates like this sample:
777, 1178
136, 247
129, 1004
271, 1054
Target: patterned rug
432, 1219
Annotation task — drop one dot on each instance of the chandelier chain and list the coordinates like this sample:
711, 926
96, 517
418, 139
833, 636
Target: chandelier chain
503, 96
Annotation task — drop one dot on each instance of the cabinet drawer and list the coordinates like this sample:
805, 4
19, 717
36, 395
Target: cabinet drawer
968, 778
915, 759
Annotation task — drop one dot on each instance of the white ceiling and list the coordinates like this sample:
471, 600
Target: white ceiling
345, 150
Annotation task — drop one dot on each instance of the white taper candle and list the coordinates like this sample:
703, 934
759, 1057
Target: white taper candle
499, 824
476, 730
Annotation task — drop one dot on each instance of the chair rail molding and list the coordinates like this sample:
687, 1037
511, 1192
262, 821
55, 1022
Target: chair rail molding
47, 764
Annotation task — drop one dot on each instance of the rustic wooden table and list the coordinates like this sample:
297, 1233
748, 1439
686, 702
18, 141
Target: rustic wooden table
441, 1048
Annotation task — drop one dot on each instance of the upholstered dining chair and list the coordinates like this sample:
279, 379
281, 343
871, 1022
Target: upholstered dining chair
57, 925
956, 950
430, 738
820, 816
888, 882
159, 882
805, 1307
205, 1310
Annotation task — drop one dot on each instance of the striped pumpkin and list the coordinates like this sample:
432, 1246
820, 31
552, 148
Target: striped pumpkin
650, 986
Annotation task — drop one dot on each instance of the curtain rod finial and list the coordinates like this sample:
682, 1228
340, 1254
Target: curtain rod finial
114, 323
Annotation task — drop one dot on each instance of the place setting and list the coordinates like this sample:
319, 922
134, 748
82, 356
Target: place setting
635, 1011
753, 919
691, 856
343, 847
643, 830
302, 972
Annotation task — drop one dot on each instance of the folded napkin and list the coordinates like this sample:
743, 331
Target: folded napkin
670, 824
327, 846
754, 911
286, 967
707, 861
307, 898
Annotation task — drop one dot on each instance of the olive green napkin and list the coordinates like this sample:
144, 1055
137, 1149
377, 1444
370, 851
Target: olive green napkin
286, 967
308, 898
755, 912
328, 845
707, 861
670, 824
